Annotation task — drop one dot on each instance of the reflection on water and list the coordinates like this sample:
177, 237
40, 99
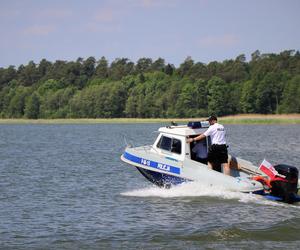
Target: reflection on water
64, 186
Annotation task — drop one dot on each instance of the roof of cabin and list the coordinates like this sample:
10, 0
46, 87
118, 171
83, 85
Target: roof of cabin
182, 130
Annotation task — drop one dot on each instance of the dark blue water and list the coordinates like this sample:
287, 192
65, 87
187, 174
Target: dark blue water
64, 187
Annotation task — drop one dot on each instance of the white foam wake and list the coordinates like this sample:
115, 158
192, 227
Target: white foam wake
194, 189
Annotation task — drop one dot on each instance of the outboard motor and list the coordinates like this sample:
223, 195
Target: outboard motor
285, 186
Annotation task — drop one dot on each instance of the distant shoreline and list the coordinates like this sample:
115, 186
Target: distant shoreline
234, 119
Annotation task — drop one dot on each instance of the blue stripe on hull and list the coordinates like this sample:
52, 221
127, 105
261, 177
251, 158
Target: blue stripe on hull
153, 164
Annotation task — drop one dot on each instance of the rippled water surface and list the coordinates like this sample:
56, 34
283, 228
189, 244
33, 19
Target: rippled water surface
64, 187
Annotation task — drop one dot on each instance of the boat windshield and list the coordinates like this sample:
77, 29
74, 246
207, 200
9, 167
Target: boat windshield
169, 144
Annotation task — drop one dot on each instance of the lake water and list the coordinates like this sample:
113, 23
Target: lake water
65, 187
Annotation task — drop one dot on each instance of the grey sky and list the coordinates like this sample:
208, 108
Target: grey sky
206, 30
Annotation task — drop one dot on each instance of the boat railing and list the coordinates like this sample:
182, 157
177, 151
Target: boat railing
144, 148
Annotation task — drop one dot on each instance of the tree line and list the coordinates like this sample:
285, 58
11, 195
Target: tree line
90, 88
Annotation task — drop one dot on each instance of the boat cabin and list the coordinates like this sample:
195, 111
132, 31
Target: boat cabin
171, 142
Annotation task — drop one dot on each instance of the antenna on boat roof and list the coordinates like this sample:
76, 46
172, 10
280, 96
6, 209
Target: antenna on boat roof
126, 143
173, 124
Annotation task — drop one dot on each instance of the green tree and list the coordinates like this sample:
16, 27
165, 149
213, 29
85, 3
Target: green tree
102, 68
268, 94
58, 70
143, 65
29, 74
16, 106
218, 97
185, 67
82, 104
73, 76
158, 65
186, 105
291, 96
248, 97
32, 107
44, 68
120, 68
88, 67
7, 75
169, 69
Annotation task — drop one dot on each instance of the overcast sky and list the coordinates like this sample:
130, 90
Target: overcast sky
206, 30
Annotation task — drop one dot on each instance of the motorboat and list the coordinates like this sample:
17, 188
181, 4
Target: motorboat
171, 160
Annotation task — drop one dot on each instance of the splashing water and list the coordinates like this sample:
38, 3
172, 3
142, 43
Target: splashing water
194, 189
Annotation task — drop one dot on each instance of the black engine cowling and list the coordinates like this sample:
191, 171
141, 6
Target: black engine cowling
285, 187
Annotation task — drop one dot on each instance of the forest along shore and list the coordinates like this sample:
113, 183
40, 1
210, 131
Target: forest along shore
91, 88
234, 119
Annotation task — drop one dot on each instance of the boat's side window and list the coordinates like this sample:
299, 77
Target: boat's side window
170, 144
165, 143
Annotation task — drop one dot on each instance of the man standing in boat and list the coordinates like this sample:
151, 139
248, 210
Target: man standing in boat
217, 153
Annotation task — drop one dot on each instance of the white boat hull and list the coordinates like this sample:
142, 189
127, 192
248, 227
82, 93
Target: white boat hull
172, 171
